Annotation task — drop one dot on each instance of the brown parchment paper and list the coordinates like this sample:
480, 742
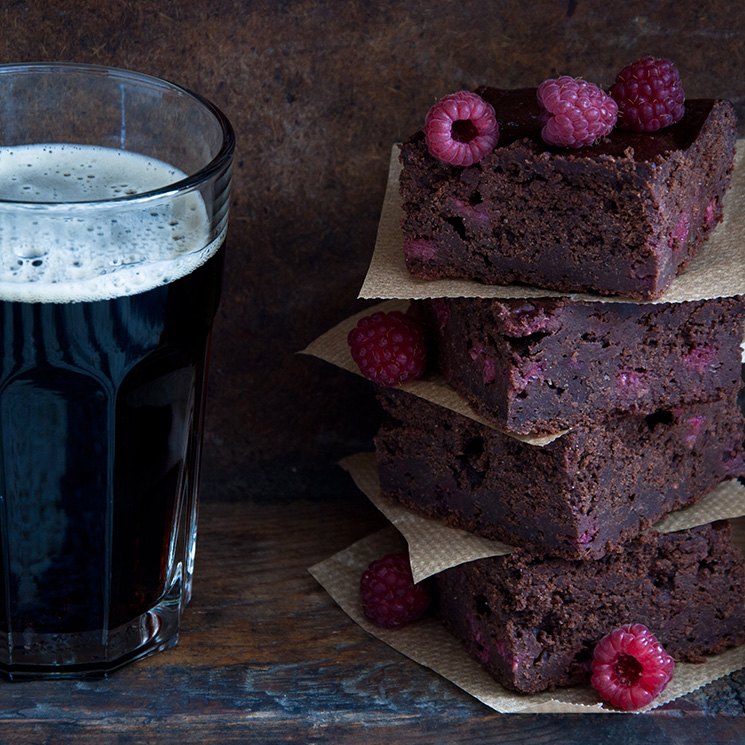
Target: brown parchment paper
333, 347
717, 271
434, 547
430, 644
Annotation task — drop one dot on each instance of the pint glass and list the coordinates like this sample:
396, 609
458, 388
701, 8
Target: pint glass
114, 193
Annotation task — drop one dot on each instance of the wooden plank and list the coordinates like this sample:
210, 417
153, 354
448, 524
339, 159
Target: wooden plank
266, 656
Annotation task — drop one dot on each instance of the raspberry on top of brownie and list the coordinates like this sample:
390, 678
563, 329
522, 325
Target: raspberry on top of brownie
569, 197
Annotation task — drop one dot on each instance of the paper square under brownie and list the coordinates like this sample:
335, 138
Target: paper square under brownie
548, 364
621, 217
533, 622
428, 643
580, 496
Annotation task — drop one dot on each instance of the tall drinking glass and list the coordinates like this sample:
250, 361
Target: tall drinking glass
114, 193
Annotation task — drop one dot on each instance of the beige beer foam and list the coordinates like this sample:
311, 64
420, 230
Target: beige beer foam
431, 645
718, 270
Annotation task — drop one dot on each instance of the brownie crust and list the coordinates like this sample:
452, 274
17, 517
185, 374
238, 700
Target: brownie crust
621, 217
533, 623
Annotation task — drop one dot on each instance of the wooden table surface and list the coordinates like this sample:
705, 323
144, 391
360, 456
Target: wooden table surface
266, 656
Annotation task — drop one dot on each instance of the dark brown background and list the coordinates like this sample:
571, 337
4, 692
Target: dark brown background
318, 92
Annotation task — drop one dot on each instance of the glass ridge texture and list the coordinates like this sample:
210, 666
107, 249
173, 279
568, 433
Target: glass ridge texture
114, 194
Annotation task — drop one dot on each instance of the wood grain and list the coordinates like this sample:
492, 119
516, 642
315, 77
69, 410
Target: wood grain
266, 656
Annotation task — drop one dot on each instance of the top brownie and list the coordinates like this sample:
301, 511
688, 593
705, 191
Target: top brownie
621, 217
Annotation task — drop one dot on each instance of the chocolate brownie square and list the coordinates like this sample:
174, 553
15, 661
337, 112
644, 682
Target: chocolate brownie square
621, 217
580, 496
533, 622
547, 364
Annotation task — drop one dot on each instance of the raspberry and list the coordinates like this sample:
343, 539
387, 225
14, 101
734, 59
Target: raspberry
630, 667
390, 598
389, 348
461, 129
649, 95
575, 112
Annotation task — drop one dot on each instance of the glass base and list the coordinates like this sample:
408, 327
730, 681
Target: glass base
94, 654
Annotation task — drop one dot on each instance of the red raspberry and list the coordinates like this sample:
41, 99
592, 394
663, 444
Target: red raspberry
575, 112
389, 348
649, 95
389, 596
461, 129
630, 667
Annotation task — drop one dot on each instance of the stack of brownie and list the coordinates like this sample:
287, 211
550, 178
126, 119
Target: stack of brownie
640, 394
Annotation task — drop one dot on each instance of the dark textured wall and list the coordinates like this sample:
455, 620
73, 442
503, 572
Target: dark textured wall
317, 92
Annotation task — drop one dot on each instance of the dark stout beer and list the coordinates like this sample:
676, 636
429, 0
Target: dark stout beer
105, 326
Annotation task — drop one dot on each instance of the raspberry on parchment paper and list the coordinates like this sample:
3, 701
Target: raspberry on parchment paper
390, 599
389, 348
630, 668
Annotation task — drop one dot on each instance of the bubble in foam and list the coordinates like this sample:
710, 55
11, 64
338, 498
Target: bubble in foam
63, 239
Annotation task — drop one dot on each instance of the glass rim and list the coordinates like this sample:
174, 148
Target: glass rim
190, 182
